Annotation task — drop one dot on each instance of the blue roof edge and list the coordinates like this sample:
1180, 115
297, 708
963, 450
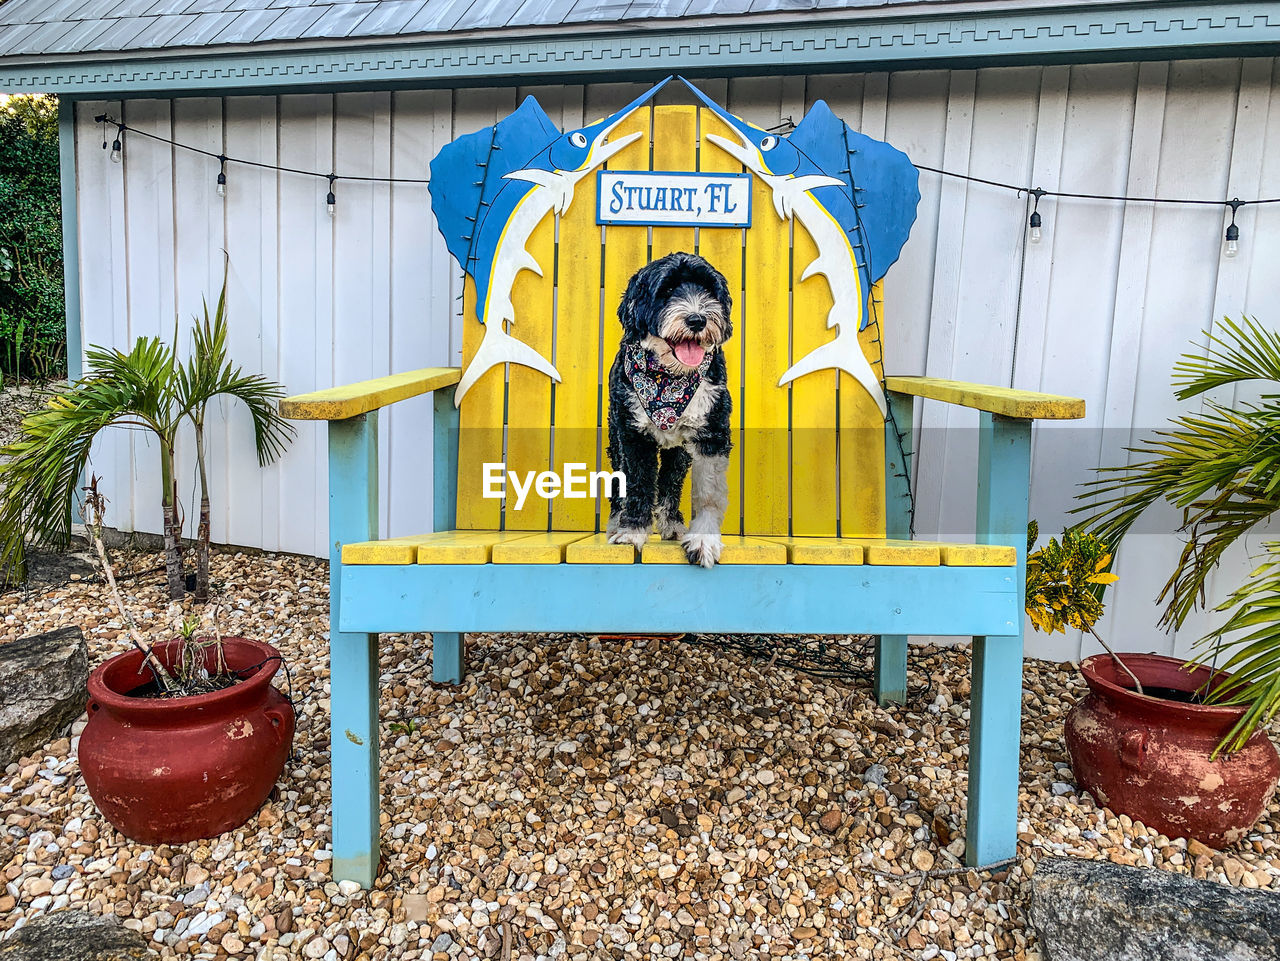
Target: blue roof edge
1154, 30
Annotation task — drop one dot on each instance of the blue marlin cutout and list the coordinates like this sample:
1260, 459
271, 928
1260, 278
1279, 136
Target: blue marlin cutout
857, 199
490, 189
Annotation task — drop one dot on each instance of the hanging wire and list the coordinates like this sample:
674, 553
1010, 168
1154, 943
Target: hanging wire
1234, 204
224, 159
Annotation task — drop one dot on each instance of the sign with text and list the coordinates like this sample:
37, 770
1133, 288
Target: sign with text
665, 198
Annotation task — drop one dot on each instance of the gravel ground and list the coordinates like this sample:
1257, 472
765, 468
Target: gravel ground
587, 799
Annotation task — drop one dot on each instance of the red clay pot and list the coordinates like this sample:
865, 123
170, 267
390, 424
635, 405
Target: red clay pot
1148, 757
164, 771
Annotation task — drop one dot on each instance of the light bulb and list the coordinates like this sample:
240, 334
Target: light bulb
1035, 223
222, 184
116, 149
1035, 235
1233, 248
331, 202
1233, 241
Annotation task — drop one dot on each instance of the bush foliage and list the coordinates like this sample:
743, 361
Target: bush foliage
33, 333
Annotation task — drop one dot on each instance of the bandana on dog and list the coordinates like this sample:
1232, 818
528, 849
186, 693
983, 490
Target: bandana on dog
665, 395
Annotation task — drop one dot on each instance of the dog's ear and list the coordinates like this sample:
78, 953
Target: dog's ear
637, 308
721, 292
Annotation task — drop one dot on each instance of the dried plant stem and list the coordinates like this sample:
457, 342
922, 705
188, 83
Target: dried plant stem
1116, 657
94, 526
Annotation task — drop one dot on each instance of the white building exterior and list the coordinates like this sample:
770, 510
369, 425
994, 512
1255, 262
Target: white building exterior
1100, 308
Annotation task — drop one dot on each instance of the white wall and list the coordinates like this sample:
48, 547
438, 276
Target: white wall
1100, 309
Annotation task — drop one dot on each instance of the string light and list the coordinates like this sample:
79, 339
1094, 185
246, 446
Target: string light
1035, 222
1233, 232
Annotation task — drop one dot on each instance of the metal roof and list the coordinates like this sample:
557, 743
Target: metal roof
38, 28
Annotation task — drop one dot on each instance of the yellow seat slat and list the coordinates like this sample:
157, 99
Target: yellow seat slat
596, 549
821, 550
464, 547
894, 553
974, 555
393, 550
546, 548
737, 550
584, 547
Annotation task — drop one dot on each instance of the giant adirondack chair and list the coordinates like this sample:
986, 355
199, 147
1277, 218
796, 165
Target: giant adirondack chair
816, 535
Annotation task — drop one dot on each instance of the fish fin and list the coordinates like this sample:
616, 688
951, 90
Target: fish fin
499, 347
877, 177
845, 354
468, 173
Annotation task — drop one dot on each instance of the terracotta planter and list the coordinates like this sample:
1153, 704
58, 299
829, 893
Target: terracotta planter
185, 768
1148, 757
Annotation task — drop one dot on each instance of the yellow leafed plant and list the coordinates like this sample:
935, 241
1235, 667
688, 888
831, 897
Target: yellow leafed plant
1062, 581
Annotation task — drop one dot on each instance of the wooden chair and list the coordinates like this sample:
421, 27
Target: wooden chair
816, 537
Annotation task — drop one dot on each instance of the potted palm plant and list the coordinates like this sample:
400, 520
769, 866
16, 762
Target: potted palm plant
146, 388
186, 737
1190, 754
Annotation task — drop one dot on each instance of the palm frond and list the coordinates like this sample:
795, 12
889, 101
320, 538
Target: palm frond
1220, 467
1236, 352
208, 374
40, 470
1247, 646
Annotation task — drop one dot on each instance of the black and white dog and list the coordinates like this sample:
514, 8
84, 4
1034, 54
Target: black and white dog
669, 405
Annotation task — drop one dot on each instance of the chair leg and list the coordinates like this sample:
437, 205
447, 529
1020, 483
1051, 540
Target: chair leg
891, 669
353, 708
995, 710
995, 718
448, 660
353, 657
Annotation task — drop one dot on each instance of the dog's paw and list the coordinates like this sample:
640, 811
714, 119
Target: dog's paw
635, 536
672, 530
702, 549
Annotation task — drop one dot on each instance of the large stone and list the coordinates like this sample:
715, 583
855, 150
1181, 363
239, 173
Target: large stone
42, 689
1099, 911
75, 936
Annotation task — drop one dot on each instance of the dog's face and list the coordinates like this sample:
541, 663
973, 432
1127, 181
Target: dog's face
678, 307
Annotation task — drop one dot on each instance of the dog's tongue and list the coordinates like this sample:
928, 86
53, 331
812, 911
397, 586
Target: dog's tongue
689, 353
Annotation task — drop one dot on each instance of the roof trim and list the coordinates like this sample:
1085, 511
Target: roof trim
1154, 30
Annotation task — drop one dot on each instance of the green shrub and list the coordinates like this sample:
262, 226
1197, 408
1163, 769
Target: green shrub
33, 332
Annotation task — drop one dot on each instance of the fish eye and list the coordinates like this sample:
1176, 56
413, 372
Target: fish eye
578, 138
768, 143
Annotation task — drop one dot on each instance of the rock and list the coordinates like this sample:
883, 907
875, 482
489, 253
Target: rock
75, 936
1083, 910
875, 774
42, 689
1199, 849
922, 859
415, 907
442, 943
831, 821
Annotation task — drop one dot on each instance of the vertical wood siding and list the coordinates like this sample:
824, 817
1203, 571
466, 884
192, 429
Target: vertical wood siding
1101, 308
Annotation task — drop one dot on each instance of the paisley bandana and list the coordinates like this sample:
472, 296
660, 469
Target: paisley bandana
665, 395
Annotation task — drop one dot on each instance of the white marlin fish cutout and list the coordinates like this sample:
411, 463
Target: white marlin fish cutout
809, 174
487, 222
835, 261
